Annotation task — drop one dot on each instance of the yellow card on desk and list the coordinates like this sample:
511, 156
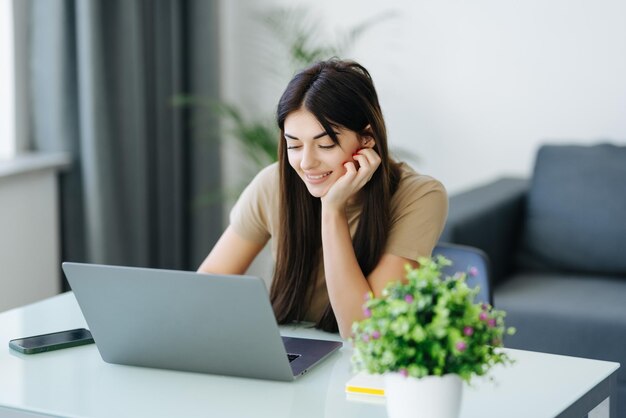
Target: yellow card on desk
366, 384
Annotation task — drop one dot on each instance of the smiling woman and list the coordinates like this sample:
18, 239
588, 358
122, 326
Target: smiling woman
344, 217
7, 98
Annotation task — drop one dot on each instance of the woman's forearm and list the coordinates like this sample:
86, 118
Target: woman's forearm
345, 281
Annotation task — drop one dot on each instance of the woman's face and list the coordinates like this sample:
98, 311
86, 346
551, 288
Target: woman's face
313, 154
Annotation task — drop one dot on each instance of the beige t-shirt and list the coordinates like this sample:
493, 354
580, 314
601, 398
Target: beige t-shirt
418, 212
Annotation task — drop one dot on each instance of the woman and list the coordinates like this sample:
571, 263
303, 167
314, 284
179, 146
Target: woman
344, 217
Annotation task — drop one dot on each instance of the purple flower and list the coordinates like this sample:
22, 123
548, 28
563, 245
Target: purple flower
461, 345
365, 337
404, 372
409, 298
483, 316
491, 323
473, 271
375, 335
367, 312
484, 306
468, 331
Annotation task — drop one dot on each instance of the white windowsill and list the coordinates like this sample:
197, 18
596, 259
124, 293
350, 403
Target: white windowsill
32, 162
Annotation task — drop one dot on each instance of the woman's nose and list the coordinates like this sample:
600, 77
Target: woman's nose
309, 158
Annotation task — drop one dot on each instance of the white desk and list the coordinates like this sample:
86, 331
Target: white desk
76, 382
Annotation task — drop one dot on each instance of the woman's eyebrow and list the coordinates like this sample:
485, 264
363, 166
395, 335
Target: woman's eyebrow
318, 136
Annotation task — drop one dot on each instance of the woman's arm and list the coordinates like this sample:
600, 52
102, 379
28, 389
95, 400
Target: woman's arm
232, 254
345, 281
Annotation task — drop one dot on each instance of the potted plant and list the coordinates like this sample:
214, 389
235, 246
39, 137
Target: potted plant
426, 336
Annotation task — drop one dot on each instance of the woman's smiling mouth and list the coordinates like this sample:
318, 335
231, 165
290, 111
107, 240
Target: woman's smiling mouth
317, 178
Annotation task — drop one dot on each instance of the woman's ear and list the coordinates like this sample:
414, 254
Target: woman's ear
367, 137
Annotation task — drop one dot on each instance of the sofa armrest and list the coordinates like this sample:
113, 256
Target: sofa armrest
489, 217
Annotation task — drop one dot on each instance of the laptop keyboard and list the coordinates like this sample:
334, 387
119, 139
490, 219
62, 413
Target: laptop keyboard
292, 357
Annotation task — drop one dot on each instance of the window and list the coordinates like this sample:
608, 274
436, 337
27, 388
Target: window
7, 83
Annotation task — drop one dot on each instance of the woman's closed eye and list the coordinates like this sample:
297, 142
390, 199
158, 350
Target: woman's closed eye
319, 146
293, 142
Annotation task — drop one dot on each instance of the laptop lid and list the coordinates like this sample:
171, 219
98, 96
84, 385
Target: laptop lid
187, 321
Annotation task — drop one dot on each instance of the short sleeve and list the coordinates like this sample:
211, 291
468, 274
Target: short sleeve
250, 217
418, 214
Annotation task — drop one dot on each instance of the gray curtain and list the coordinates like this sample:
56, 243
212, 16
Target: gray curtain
99, 77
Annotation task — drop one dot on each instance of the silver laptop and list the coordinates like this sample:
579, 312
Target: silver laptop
189, 321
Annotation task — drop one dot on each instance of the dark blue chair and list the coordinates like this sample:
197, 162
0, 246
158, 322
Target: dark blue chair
463, 259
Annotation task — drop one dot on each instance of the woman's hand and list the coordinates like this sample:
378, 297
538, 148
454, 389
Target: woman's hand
353, 180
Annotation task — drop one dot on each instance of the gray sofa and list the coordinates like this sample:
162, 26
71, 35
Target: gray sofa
557, 245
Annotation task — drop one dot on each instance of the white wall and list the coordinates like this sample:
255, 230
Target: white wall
472, 87
29, 229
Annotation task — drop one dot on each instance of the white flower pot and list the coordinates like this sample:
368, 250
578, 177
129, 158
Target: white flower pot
428, 397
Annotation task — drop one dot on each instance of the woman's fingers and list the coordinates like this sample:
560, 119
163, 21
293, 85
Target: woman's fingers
368, 160
358, 173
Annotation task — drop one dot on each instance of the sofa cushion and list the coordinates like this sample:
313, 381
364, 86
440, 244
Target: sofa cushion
576, 210
583, 316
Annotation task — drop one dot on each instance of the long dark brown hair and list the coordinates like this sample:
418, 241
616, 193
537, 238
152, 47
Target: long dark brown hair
339, 94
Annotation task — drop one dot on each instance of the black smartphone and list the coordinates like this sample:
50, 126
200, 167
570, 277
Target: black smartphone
53, 341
